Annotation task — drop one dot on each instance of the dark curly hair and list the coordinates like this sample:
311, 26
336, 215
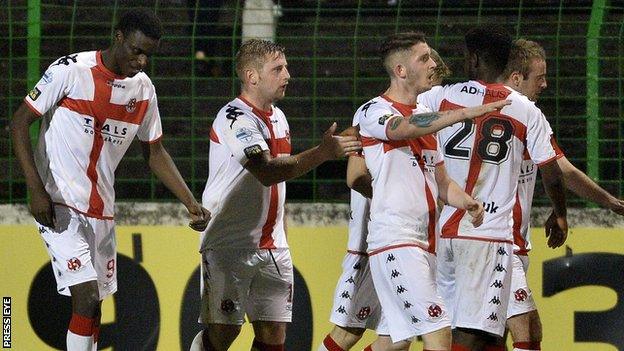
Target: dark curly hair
491, 43
142, 20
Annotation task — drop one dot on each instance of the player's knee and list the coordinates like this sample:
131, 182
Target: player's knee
219, 336
270, 332
438, 340
85, 299
535, 328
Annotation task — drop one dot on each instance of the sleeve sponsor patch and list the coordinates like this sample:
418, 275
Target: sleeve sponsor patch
244, 135
34, 94
253, 151
384, 118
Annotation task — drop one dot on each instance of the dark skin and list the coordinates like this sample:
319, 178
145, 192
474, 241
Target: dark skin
127, 56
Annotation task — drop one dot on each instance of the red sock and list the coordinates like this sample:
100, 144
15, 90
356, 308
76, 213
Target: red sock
260, 346
81, 325
369, 348
494, 348
527, 345
459, 347
331, 345
96, 331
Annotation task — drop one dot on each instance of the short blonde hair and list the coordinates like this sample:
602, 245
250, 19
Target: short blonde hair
522, 52
253, 54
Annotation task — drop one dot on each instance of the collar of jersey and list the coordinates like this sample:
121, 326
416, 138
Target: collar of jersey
100, 64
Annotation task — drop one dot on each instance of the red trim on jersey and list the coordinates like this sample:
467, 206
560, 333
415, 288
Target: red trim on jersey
397, 246
104, 69
84, 213
555, 146
359, 253
368, 141
213, 136
154, 141
404, 109
554, 158
276, 146
32, 108
517, 224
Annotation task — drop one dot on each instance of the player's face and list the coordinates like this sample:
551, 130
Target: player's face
533, 85
273, 77
420, 68
133, 52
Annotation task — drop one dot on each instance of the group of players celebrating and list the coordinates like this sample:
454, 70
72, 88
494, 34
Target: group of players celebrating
442, 179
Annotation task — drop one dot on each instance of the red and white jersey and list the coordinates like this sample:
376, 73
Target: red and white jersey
484, 155
89, 117
403, 208
245, 213
524, 201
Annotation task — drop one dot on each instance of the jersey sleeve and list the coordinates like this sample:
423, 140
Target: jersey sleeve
539, 139
374, 120
431, 99
150, 129
55, 84
555, 146
244, 137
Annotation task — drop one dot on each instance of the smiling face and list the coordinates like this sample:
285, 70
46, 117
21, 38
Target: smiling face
273, 77
132, 52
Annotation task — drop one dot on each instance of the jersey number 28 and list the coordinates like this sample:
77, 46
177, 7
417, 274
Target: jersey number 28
494, 143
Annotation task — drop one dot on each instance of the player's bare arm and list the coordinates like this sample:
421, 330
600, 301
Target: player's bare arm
272, 170
41, 206
358, 177
450, 192
583, 186
162, 165
415, 126
552, 179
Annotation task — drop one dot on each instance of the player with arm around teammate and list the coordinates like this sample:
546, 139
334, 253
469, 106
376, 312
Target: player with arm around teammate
246, 264
526, 73
92, 104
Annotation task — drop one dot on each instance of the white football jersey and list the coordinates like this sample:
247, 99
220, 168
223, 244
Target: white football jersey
484, 155
403, 208
90, 116
245, 213
524, 201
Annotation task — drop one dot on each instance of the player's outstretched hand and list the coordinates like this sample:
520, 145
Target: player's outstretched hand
617, 206
338, 146
556, 230
199, 217
42, 208
475, 210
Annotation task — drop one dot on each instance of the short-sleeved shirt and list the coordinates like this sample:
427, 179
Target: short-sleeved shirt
484, 155
89, 117
524, 201
403, 209
245, 213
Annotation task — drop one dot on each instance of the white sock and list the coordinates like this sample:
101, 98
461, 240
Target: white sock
198, 343
77, 342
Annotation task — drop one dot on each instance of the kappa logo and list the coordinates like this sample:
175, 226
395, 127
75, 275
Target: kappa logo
502, 252
345, 295
395, 273
415, 320
341, 310
497, 284
434, 311
495, 300
227, 306
363, 313
493, 317
232, 113
357, 266
74, 264
65, 60
401, 289
367, 106
500, 268
131, 105
520, 295
350, 280
390, 258
407, 304
42, 229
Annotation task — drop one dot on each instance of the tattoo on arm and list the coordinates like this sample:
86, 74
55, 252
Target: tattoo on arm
424, 120
394, 124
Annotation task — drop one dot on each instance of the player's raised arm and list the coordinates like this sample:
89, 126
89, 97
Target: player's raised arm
417, 125
272, 170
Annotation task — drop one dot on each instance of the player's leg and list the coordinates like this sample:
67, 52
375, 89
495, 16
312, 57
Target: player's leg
384, 343
226, 275
269, 306
523, 319
482, 285
85, 314
356, 306
437, 340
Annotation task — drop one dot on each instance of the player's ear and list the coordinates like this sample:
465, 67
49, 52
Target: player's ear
251, 76
516, 78
119, 37
400, 71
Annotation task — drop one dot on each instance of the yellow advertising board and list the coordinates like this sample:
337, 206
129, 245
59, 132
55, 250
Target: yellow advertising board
156, 307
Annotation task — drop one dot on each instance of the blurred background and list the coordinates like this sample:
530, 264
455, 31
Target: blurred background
332, 55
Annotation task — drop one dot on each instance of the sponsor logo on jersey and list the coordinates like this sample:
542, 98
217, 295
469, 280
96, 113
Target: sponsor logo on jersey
500, 94
244, 135
252, 151
34, 94
490, 207
113, 84
112, 132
